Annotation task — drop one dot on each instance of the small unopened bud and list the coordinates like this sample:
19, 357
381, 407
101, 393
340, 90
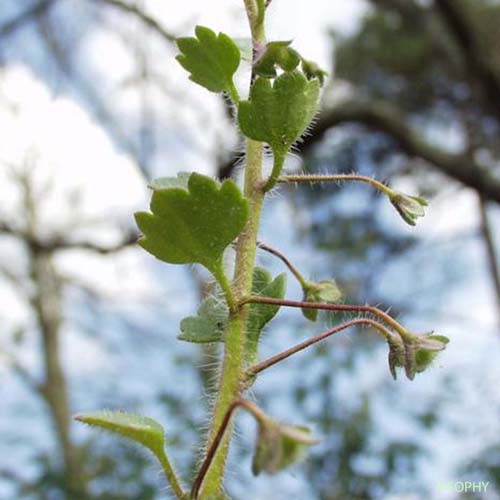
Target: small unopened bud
421, 351
312, 70
410, 208
396, 356
276, 54
279, 445
325, 292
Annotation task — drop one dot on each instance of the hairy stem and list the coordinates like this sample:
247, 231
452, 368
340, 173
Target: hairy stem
230, 385
233, 366
278, 162
337, 178
221, 278
254, 370
250, 407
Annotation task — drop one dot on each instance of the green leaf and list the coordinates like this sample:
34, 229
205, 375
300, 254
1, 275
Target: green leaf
264, 286
260, 314
142, 430
278, 54
279, 113
325, 292
194, 225
211, 59
279, 445
211, 319
181, 181
208, 325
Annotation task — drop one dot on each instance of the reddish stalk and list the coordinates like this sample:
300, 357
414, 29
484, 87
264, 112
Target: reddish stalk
331, 307
267, 363
285, 260
240, 403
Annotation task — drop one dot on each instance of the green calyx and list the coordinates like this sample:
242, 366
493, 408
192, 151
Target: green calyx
279, 445
325, 292
415, 354
410, 208
312, 70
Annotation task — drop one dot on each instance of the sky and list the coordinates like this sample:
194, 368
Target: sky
71, 147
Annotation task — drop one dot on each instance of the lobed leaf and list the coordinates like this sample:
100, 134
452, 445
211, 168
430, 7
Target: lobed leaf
260, 315
208, 325
194, 225
279, 113
210, 321
211, 59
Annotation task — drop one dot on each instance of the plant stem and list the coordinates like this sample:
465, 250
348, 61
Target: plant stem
221, 278
233, 366
251, 408
303, 282
337, 178
230, 386
233, 93
170, 474
405, 334
278, 162
256, 20
254, 370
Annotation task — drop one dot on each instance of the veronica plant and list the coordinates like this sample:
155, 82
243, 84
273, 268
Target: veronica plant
194, 219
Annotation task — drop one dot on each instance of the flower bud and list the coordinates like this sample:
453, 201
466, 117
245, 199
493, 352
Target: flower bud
276, 54
421, 352
312, 70
408, 207
279, 445
396, 356
326, 292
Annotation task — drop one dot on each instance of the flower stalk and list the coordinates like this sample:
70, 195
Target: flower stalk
273, 360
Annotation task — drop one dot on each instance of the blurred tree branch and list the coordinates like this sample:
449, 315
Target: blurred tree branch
48, 246
32, 13
45, 299
148, 20
46, 303
389, 119
476, 60
487, 234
